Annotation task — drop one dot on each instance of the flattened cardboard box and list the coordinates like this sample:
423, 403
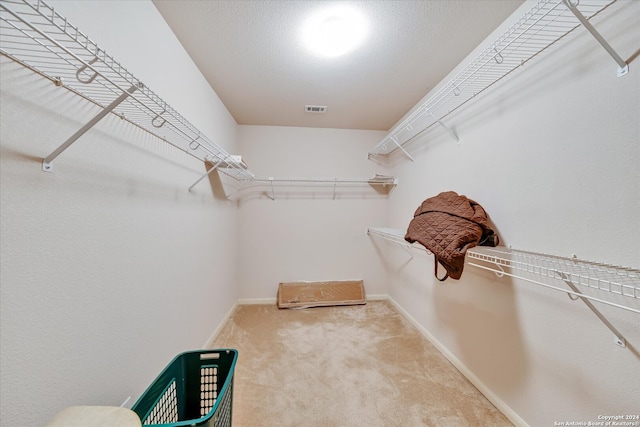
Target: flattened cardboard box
318, 294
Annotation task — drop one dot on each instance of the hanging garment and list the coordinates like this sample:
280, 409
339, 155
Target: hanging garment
447, 225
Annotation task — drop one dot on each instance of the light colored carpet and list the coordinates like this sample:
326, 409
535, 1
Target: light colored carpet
348, 366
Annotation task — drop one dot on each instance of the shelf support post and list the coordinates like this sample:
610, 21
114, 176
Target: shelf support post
273, 191
46, 162
623, 66
206, 174
335, 182
448, 129
394, 139
619, 338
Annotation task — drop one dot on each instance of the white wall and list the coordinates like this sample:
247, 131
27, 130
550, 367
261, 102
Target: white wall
109, 266
305, 234
553, 154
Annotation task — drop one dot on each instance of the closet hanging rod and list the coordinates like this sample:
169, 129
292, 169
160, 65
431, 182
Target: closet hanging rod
326, 181
540, 27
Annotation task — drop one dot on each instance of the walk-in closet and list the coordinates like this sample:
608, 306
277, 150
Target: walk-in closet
168, 168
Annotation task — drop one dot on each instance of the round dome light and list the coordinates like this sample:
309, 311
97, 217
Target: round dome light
334, 31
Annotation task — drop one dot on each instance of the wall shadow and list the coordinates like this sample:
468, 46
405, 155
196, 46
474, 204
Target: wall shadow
217, 187
485, 325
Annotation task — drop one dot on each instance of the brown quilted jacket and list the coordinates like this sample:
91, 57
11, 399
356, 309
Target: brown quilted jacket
449, 224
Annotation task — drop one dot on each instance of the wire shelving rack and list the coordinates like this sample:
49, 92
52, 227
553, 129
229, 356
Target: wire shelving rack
541, 26
384, 184
39, 38
33, 34
588, 281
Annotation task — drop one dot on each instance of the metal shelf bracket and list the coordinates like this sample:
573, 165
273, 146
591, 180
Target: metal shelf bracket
620, 282
573, 7
448, 129
273, 191
394, 139
577, 294
206, 174
46, 162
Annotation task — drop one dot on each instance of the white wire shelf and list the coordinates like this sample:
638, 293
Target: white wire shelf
35, 35
613, 285
540, 27
587, 280
395, 236
376, 180
335, 185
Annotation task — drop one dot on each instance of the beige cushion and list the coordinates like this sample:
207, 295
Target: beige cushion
95, 416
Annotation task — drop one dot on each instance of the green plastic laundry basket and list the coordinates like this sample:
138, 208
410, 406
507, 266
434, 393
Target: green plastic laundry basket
195, 389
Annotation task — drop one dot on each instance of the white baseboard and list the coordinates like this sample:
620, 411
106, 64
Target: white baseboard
250, 301
464, 370
222, 324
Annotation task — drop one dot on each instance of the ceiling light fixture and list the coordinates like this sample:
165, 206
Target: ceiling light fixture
334, 31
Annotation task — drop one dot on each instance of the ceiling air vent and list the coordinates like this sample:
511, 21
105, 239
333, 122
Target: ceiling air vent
315, 108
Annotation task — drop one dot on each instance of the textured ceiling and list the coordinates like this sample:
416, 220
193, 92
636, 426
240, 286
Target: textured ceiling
249, 51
